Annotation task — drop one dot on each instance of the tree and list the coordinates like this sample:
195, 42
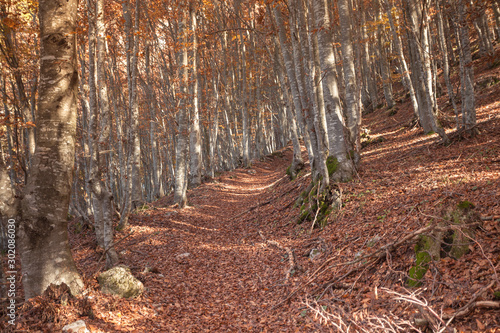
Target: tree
45, 254
352, 109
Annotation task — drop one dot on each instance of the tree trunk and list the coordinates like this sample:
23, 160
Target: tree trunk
319, 114
466, 71
352, 110
180, 196
45, 254
195, 136
402, 61
446, 63
335, 121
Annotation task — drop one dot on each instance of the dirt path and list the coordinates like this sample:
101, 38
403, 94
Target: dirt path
206, 268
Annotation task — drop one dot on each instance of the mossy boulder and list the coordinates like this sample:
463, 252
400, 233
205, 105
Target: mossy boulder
119, 281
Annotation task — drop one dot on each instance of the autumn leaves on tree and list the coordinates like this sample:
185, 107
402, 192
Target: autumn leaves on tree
145, 98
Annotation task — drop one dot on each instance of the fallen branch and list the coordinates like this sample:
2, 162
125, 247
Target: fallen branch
473, 303
370, 258
291, 256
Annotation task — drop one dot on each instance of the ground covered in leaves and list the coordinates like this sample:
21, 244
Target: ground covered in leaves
235, 260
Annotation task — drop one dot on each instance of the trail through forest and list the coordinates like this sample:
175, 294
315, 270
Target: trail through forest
235, 260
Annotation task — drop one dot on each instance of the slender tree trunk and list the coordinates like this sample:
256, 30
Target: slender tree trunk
466, 71
101, 188
297, 162
195, 136
402, 61
352, 110
180, 195
446, 64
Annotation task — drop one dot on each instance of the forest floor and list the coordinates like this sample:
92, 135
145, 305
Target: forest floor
223, 265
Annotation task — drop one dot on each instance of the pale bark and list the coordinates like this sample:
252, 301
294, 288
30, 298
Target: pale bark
297, 162
195, 135
103, 214
352, 109
335, 122
180, 195
45, 254
384, 63
319, 114
418, 46
302, 61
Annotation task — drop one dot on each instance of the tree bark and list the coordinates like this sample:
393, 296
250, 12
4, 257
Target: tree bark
45, 254
352, 109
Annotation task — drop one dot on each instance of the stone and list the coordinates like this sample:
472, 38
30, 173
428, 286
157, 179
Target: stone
119, 281
76, 327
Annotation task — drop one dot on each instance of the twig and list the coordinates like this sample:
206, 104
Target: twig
317, 210
113, 245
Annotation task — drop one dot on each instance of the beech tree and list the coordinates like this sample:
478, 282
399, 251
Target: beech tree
45, 254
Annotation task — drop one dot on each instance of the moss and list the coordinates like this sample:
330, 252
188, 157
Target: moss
496, 295
332, 164
424, 255
465, 205
304, 215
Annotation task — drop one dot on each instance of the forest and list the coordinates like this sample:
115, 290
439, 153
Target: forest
250, 166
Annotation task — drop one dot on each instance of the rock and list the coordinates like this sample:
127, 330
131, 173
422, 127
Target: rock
181, 258
314, 253
76, 327
119, 281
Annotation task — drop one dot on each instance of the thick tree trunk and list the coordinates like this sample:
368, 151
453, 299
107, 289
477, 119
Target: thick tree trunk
45, 254
319, 114
335, 121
